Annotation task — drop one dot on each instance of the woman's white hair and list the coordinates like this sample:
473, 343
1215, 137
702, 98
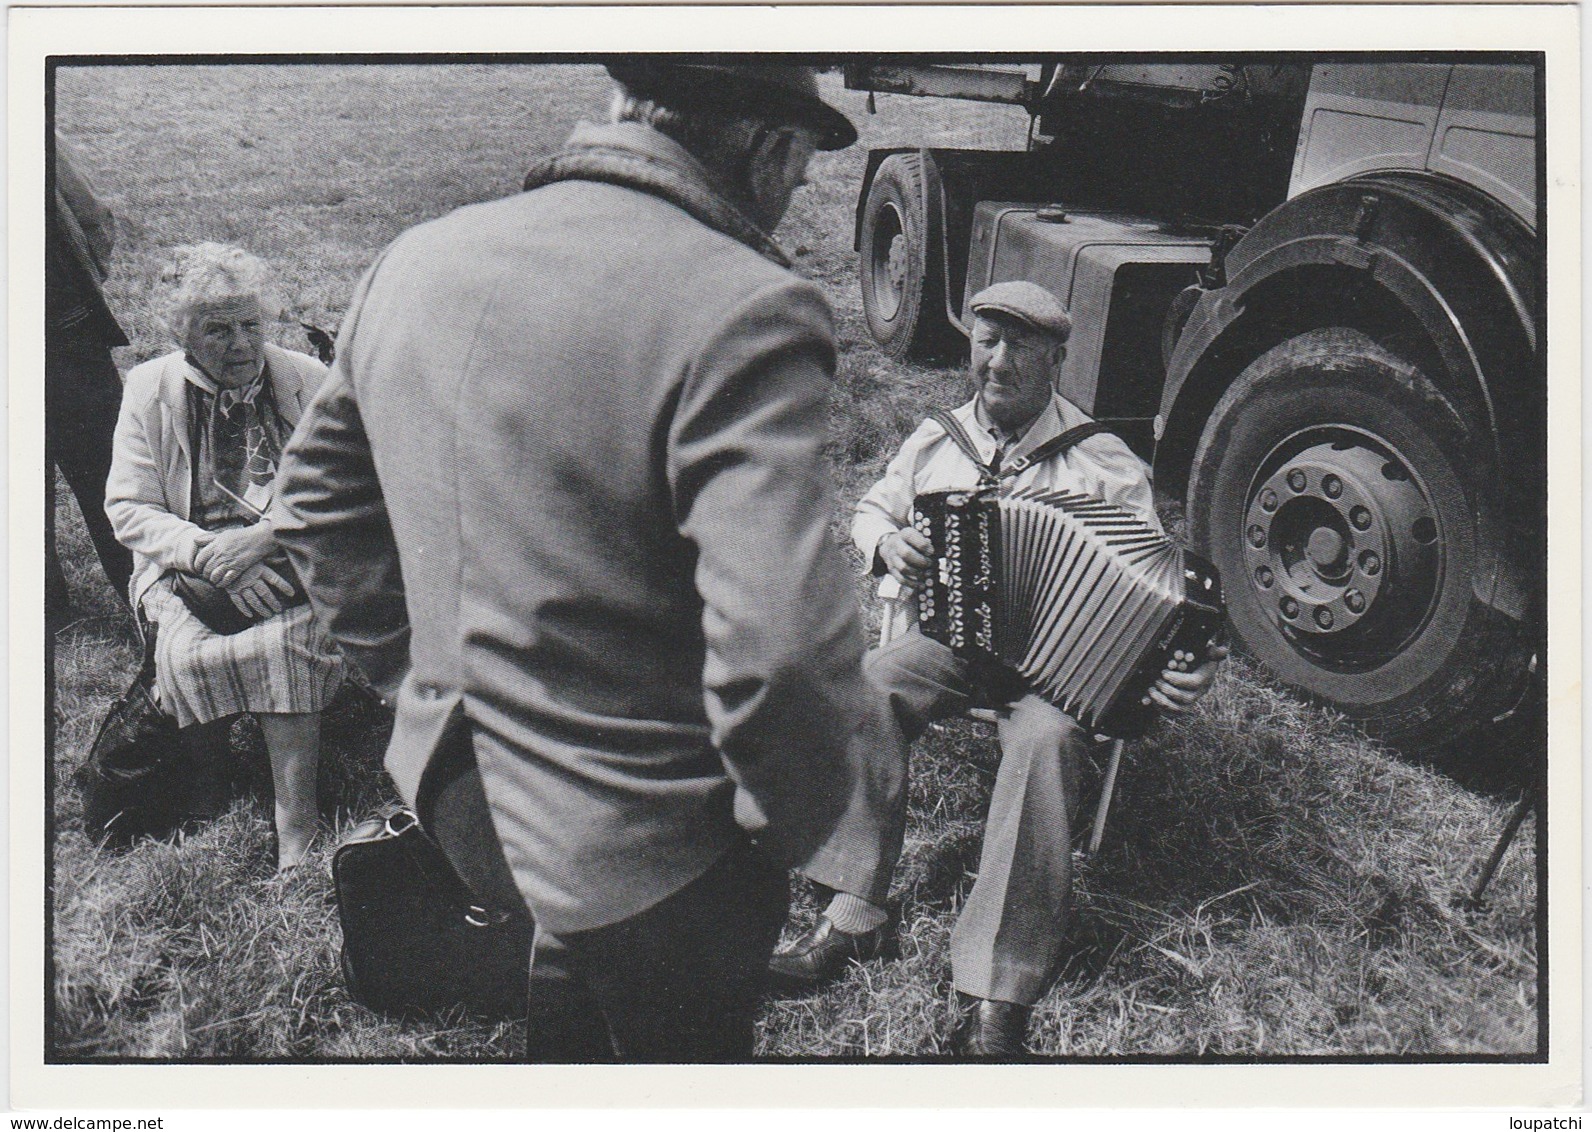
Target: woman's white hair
201, 274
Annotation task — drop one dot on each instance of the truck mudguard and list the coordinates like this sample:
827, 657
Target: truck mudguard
1452, 273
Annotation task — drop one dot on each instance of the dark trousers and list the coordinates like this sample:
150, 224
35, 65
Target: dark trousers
679, 982
83, 395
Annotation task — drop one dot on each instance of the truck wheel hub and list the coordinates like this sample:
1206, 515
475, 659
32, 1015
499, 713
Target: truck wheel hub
1326, 549
1339, 537
897, 268
890, 262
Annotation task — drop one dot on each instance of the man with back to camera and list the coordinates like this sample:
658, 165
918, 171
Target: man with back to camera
1009, 935
563, 501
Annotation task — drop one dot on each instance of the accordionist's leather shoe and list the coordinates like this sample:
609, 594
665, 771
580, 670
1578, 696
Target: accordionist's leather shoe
823, 953
990, 1030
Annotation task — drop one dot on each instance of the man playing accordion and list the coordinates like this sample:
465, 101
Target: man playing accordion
1009, 935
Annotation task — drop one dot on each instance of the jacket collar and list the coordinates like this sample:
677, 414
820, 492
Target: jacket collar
641, 158
287, 384
1054, 419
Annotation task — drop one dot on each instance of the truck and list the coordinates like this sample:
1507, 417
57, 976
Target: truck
1310, 293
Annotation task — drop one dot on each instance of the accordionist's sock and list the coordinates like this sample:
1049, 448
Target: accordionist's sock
854, 915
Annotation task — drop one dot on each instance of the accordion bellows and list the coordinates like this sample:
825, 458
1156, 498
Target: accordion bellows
1081, 598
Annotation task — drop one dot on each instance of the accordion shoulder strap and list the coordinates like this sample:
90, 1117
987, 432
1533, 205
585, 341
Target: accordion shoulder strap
953, 428
1054, 446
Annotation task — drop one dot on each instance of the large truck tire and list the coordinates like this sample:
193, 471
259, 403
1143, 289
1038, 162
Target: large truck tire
1348, 509
902, 268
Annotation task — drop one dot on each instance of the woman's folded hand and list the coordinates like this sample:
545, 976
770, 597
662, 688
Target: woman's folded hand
231, 554
258, 592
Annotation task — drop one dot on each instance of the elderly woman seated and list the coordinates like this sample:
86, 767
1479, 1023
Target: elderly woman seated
196, 450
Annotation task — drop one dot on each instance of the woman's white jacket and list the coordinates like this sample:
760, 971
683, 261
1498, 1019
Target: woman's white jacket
149, 493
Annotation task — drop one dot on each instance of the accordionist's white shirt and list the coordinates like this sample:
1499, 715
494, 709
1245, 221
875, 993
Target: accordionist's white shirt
1102, 466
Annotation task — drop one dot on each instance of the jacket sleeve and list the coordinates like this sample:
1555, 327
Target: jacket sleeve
136, 500
90, 225
330, 517
888, 503
782, 681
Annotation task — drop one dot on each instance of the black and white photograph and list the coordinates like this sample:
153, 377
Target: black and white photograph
679, 556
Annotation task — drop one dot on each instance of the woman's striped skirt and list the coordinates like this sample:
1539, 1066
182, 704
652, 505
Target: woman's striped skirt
285, 663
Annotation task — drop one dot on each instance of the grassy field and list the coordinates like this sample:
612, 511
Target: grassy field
1273, 883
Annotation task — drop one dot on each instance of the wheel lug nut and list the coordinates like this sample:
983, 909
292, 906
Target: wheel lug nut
1370, 563
1257, 536
1361, 518
1290, 608
1265, 577
1268, 500
1355, 600
1296, 480
1332, 485
1324, 617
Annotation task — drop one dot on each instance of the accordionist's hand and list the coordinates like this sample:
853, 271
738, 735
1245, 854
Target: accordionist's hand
907, 554
1183, 682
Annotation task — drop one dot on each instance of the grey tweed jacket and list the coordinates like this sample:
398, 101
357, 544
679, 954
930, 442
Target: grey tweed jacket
566, 478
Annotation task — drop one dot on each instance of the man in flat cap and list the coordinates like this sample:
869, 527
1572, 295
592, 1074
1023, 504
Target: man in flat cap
562, 499
1008, 938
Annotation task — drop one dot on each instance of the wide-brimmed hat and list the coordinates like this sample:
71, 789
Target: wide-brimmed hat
775, 92
1027, 302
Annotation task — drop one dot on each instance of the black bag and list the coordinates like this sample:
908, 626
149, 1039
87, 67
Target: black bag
214, 606
414, 937
135, 779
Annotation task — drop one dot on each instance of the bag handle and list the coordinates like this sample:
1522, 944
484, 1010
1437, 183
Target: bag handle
428, 857
146, 630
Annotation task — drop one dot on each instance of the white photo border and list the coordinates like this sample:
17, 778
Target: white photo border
35, 34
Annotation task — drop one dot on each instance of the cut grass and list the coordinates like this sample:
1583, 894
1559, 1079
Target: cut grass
1272, 883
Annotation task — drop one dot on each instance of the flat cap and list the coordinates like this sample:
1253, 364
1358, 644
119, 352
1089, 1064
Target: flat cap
775, 92
1027, 302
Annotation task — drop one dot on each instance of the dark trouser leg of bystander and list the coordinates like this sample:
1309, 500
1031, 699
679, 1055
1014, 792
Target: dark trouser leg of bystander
563, 1023
83, 396
682, 981
57, 596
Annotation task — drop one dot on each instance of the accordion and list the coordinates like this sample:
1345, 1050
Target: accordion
1081, 598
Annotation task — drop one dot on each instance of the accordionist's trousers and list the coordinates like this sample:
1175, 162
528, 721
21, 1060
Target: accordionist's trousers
1008, 939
